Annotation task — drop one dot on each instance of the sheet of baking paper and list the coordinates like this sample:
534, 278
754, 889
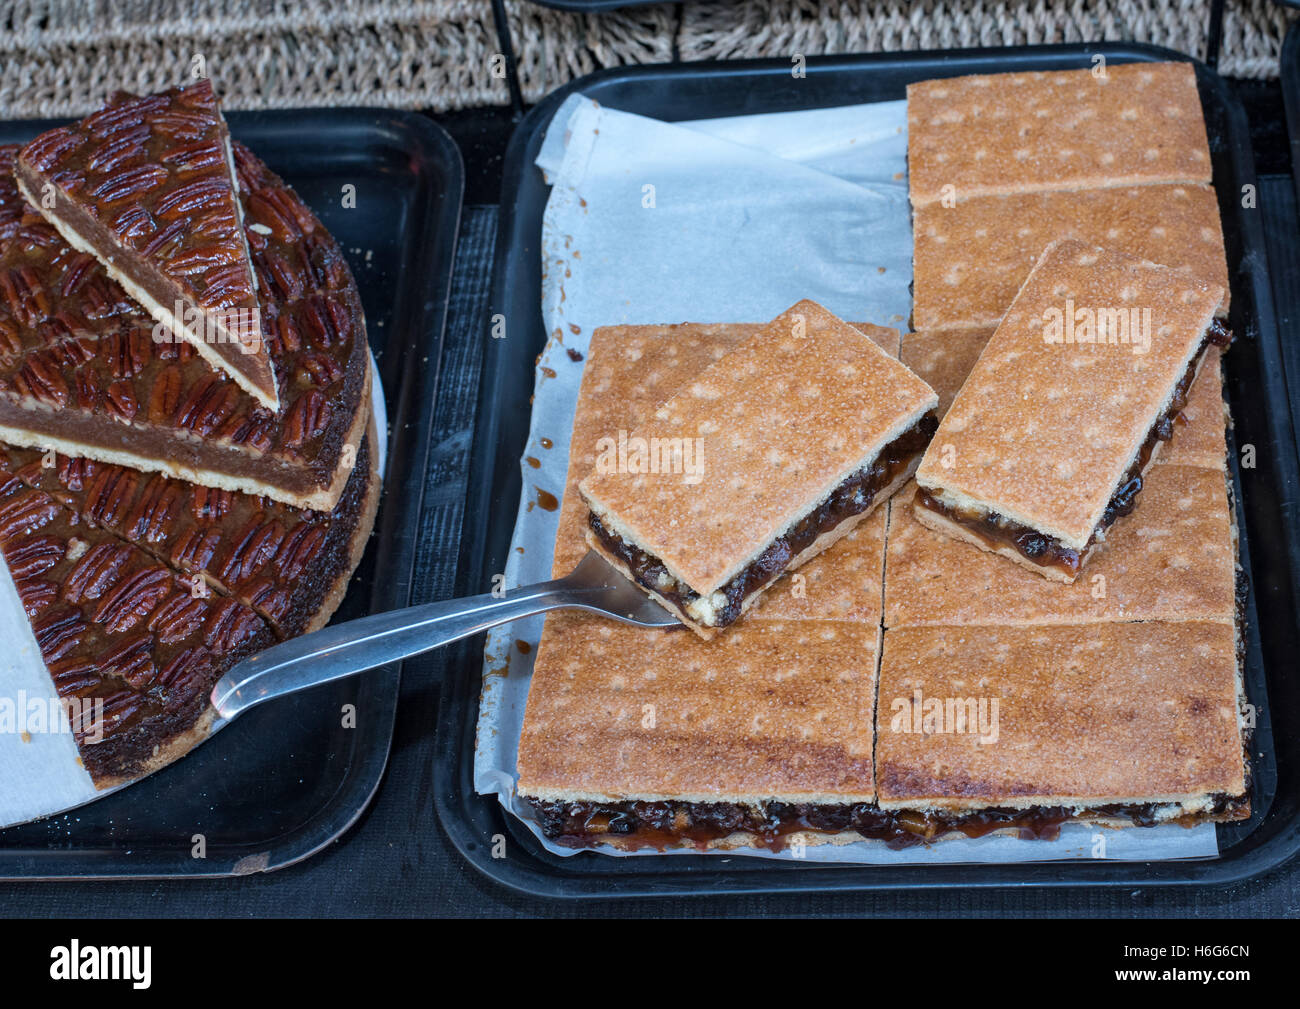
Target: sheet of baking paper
40, 770
748, 216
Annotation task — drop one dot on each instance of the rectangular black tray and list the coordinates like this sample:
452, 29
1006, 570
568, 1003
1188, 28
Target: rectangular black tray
1265, 494
284, 780
1285, 262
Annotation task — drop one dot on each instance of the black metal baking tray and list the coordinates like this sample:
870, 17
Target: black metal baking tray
1279, 206
1289, 76
1265, 494
284, 780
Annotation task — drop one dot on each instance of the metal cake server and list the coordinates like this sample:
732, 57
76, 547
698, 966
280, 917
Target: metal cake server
357, 645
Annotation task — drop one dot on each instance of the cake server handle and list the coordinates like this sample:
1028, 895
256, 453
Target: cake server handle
357, 645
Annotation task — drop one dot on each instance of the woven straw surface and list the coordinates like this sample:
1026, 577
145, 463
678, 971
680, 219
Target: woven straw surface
60, 57
1252, 34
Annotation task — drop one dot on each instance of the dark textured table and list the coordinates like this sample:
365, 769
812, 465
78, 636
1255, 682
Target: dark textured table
397, 860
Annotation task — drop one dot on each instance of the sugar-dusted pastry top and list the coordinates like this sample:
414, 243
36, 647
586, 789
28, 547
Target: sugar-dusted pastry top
772, 709
1134, 124
1092, 714
1043, 429
778, 423
970, 259
944, 359
1173, 558
629, 371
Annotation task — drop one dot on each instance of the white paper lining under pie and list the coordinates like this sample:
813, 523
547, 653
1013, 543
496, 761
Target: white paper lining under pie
40, 774
750, 215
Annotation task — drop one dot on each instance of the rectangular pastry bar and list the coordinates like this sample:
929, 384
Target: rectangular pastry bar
1025, 728
629, 371
776, 451
642, 738
969, 259
1046, 444
1173, 559
1106, 125
945, 358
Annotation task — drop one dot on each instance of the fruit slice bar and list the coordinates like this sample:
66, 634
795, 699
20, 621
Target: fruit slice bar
763, 461
1046, 444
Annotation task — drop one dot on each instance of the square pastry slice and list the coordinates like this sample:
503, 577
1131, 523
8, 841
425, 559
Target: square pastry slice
1133, 124
147, 186
638, 738
763, 461
1046, 444
970, 258
984, 729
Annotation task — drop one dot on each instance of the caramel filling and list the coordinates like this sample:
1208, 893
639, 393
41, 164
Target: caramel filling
669, 824
852, 497
995, 530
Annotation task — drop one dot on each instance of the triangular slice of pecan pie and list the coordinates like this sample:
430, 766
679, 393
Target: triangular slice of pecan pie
147, 185
80, 371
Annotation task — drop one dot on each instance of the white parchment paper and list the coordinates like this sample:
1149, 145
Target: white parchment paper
719, 220
40, 773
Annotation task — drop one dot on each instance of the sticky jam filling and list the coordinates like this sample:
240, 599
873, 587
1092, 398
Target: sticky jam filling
995, 530
853, 496
660, 825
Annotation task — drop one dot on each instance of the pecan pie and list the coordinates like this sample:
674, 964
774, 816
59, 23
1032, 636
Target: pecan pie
80, 370
771, 455
969, 259
143, 590
289, 564
120, 630
1046, 444
147, 185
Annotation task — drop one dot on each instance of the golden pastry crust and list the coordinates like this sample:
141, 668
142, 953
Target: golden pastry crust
770, 710
1041, 432
1086, 715
1172, 559
1201, 429
629, 371
969, 259
782, 422
1139, 124
944, 359
844, 583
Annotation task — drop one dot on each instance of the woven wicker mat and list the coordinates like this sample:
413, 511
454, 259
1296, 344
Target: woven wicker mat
60, 57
